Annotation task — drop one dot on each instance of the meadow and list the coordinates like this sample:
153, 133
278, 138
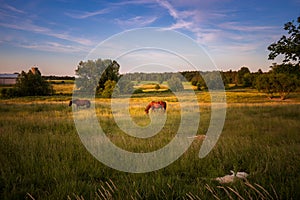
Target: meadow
42, 156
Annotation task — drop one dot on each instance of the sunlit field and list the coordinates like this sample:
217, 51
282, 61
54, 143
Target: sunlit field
42, 156
63, 87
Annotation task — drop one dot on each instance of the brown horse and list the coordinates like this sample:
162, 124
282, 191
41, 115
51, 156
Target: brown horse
78, 103
154, 105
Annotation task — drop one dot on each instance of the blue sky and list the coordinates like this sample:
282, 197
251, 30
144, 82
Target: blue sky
55, 35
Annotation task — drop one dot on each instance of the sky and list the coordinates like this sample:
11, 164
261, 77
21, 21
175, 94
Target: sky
55, 35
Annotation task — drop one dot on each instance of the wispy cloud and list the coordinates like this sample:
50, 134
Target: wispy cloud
109, 8
238, 27
214, 29
83, 14
53, 47
13, 18
132, 2
172, 11
28, 25
180, 24
138, 21
13, 9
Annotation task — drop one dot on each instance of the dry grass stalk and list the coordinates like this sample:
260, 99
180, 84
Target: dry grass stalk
256, 190
236, 192
228, 194
211, 190
31, 197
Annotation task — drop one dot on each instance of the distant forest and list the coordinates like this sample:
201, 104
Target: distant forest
242, 77
190, 76
52, 77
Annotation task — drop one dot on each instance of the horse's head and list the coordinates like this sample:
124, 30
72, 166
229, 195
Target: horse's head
88, 103
70, 103
148, 108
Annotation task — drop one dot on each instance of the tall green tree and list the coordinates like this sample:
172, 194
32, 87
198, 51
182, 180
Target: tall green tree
284, 84
289, 69
125, 86
109, 89
175, 84
265, 83
93, 74
214, 80
32, 84
288, 45
244, 76
197, 80
284, 78
281, 79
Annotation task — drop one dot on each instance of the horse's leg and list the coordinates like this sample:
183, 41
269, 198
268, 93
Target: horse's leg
153, 108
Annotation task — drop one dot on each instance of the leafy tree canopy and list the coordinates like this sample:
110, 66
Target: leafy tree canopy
109, 88
32, 84
175, 84
125, 86
93, 74
288, 69
281, 79
244, 76
289, 45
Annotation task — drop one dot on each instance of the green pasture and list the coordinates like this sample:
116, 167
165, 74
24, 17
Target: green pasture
150, 86
42, 156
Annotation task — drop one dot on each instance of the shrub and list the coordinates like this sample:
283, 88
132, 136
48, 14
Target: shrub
109, 88
175, 84
30, 84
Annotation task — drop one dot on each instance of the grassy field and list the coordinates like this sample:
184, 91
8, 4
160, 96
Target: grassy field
42, 156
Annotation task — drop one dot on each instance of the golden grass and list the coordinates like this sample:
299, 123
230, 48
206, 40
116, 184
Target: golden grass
43, 157
63, 88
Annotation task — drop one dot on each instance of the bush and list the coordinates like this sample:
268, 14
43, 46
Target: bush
4, 92
199, 86
138, 91
109, 88
157, 87
125, 86
175, 84
280, 83
29, 84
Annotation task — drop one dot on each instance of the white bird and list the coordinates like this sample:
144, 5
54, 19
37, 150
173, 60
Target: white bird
242, 175
231, 178
225, 179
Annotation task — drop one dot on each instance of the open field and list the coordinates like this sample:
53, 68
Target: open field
42, 156
149, 86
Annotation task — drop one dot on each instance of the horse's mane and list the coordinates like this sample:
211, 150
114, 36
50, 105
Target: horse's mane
148, 107
162, 103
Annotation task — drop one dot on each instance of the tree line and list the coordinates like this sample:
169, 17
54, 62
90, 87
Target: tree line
102, 76
282, 78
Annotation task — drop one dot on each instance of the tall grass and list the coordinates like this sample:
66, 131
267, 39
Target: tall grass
42, 156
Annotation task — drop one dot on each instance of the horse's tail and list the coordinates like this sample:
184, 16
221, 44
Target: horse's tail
70, 103
165, 105
88, 104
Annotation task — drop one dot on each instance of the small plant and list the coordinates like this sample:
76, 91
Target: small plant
157, 87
